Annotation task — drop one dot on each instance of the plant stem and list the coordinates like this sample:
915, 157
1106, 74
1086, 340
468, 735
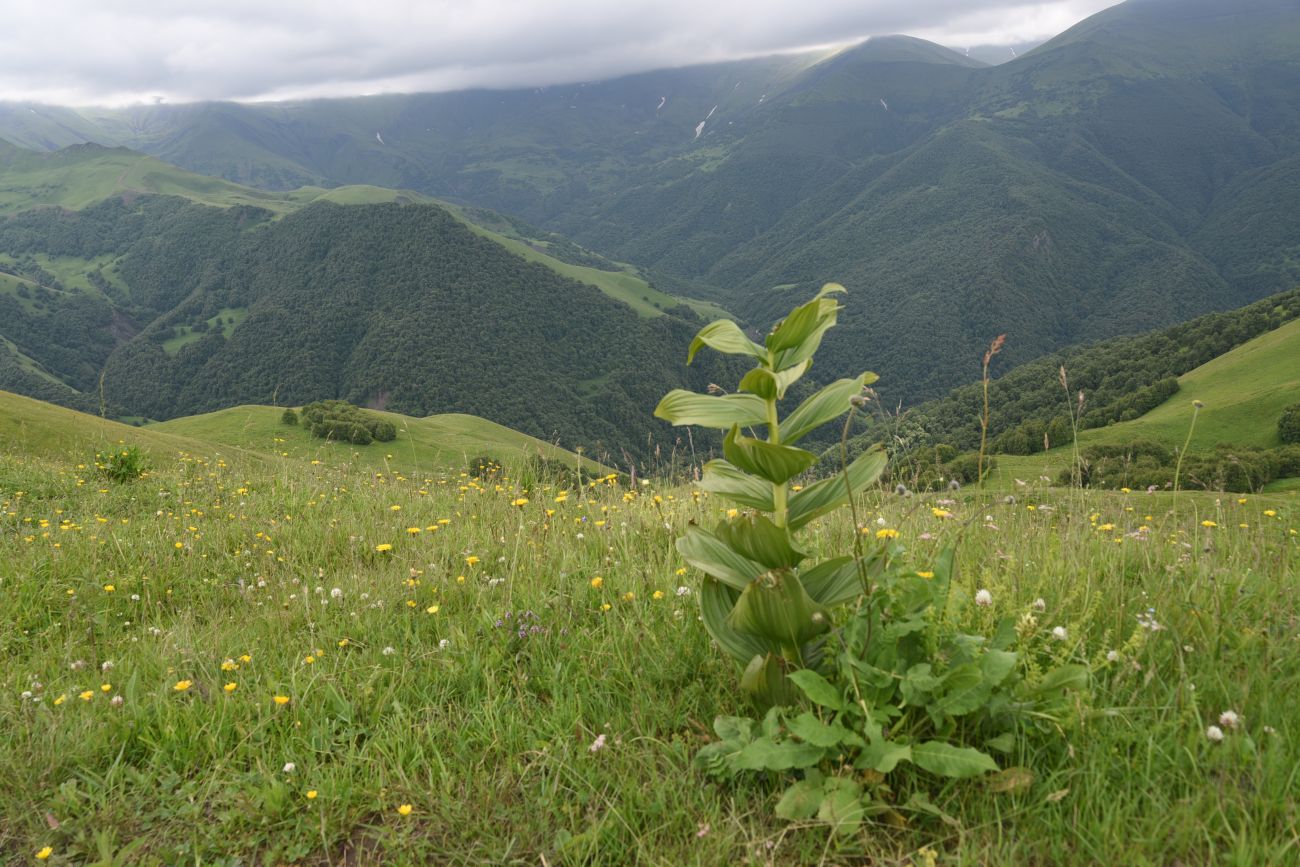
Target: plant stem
780, 494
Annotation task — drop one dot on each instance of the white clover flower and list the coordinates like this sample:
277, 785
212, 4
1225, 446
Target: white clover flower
983, 598
1059, 633
388, 651
117, 701
444, 644
1214, 734
598, 744
290, 767
1040, 604
106, 665
336, 593
1112, 656
683, 591
1229, 719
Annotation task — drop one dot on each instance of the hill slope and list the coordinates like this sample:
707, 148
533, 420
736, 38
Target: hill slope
1134, 172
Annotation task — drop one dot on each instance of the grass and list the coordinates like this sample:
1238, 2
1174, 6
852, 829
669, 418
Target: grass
438, 442
467, 669
227, 320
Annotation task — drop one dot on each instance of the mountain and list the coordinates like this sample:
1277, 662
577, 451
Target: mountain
154, 306
1135, 171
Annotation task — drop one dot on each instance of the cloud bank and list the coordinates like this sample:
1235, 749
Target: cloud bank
74, 52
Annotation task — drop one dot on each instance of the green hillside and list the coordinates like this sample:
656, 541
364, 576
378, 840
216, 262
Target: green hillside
441, 442
1134, 172
1244, 392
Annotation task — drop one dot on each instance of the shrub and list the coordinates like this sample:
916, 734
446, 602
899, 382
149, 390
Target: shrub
1288, 424
289, 417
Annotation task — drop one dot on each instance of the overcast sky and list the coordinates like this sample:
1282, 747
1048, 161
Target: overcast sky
112, 52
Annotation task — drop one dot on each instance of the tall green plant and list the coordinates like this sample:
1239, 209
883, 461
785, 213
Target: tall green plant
762, 601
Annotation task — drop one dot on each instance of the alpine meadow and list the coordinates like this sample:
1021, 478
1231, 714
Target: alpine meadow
608, 438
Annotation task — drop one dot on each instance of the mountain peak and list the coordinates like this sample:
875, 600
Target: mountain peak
898, 48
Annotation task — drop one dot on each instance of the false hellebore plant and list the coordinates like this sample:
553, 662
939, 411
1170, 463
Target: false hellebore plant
760, 601
896, 683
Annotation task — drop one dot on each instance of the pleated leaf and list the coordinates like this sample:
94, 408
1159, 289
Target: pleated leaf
757, 538
775, 463
725, 336
728, 480
714, 557
826, 405
821, 497
777, 608
686, 407
716, 602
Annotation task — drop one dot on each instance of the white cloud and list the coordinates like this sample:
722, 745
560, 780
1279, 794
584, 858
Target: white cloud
76, 52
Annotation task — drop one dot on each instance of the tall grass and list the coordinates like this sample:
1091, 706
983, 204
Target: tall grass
533, 685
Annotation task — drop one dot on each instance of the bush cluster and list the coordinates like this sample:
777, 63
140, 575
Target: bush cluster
1143, 464
342, 421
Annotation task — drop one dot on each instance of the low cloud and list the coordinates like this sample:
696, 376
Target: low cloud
74, 53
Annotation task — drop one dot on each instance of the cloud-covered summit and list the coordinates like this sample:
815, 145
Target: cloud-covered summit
77, 52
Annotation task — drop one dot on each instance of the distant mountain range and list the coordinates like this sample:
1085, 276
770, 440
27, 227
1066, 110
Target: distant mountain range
1137, 170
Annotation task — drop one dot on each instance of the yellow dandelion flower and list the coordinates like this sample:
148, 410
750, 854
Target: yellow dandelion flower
606, 607
658, 594
109, 588
281, 699
404, 810
597, 581
60, 700
925, 575
413, 530
521, 501
471, 560
943, 513
383, 547
394, 508
231, 687
182, 685
311, 794
460, 579
1270, 513
629, 596
87, 695
45, 853
1208, 524
432, 609
106, 687
886, 533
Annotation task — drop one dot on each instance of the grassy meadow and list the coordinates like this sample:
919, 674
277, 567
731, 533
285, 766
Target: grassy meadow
252, 658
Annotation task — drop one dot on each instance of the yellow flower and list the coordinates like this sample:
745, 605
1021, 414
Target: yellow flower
1208, 524
471, 560
281, 699
942, 513
629, 596
460, 579
60, 700
311, 794
229, 665
182, 685
404, 810
658, 594
109, 588
343, 642
178, 545
394, 508
231, 687
1270, 513
106, 687
245, 658
597, 581
309, 659
926, 575
432, 609
413, 530
87, 695
383, 547
605, 607
521, 501
45, 853
886, 533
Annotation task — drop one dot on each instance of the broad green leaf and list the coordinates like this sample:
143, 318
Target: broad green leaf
965, 690
727, 480
722, 412
1063, 678
734, 728
802, 800
817, 688
777, 607
833, 581
769, 385
829, 403
764, 679
757, 538
1003, 743
842, 804
725, 336
716, 602
797, 337
883, 756
808, 728
712, 556
775, 463
996, 665
821, 497
766, 754
946, 760
918, 684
